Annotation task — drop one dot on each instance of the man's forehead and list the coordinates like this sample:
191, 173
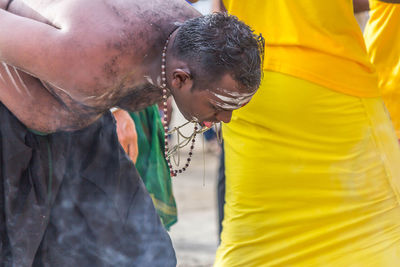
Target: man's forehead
227, 82
229, 100
228, 86
228, 94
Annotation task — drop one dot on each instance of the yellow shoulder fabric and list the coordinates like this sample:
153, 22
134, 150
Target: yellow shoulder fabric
294, 32
382, 36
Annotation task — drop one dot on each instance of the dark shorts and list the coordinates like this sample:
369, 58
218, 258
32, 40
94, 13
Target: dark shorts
74, 199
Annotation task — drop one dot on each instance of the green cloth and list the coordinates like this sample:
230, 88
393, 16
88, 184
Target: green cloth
38, 133
152, 165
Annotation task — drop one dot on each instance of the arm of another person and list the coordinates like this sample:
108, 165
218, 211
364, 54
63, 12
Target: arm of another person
360, 5
127, 135
363, 5
218, 6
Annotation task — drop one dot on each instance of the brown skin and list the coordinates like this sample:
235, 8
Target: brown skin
126, 132
360, 5
67, 62
125, 126
363, 5
195, 104
218, 6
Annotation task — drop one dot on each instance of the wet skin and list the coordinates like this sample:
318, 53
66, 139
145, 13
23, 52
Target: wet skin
64, 63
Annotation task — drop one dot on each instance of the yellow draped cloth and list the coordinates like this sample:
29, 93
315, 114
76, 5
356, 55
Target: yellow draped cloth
382, 36
316, 40
312, 171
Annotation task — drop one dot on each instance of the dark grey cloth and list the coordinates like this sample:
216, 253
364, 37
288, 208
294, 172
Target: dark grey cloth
74, 199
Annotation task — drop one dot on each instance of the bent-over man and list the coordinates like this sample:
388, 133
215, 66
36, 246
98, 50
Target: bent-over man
69, 195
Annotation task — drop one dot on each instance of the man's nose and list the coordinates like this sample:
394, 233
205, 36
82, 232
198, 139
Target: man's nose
224, 116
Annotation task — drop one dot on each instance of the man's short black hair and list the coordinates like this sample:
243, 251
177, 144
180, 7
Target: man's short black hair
217, 44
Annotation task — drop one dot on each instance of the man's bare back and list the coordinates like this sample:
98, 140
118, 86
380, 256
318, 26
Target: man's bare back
64, 63
105, 60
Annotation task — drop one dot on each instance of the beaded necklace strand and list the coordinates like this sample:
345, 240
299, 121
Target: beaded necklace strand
168, 153
191, 138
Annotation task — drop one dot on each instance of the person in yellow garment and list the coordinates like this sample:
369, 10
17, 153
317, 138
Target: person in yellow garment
312, 162
382, 36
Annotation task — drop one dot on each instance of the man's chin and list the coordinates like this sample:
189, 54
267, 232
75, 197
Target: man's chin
190, 118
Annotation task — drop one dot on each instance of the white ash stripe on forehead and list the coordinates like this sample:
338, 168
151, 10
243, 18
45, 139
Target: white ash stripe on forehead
232, 102
223, 105
239, 100
11, 78
234, 94
228, 106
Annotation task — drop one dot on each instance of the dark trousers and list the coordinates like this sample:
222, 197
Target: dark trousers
74, 199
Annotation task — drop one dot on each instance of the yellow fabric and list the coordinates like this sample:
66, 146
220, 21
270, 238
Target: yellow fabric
382, 36
299, 41
313, 179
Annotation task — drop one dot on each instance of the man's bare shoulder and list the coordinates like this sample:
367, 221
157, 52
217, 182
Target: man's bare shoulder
112, 36
100, 45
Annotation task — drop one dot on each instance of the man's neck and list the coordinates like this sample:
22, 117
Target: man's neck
154, 71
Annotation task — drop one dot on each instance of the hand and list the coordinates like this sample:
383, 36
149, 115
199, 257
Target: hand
126, 132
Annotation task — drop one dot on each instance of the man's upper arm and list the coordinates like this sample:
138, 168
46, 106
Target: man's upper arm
38, 48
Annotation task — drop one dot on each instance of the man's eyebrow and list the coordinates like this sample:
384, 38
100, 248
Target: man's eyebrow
224, 105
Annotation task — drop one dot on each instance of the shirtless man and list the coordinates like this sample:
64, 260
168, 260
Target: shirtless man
77, 59
72, 197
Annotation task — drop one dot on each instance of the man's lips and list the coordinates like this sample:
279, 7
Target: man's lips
207, 124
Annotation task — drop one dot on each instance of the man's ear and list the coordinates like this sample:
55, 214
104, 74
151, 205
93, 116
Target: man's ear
182, 78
